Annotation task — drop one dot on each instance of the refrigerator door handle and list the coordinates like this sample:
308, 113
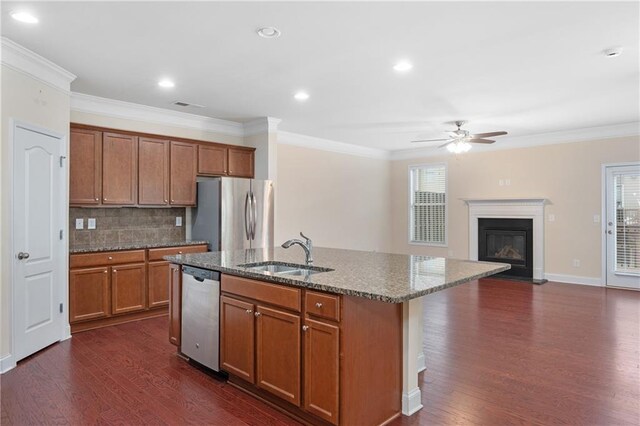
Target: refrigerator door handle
247, 218
254, 216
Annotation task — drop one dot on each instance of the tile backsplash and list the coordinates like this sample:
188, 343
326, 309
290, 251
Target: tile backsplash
126, 225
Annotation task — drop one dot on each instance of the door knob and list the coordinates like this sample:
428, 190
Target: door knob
22, 255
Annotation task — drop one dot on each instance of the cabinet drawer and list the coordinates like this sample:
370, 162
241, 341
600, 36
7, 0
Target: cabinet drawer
159, 253
106, 258
273, 294
322, 305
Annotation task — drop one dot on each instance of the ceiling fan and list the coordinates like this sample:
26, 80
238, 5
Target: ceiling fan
460, 140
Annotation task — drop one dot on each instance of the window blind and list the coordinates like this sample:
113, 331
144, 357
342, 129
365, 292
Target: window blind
428, 204
627, 222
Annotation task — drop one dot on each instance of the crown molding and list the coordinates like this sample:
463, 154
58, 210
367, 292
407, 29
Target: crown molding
288, 138
261, 125
552, 138
128, 110
27, 62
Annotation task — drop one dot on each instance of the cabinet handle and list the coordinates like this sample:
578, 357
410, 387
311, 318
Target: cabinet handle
257, 314
249, 311
305, 327
318, 305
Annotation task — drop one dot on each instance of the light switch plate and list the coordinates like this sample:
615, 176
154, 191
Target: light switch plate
178, 220
80, 223
91, 223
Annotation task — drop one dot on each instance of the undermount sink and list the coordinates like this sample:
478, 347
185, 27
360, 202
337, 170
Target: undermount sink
281, 268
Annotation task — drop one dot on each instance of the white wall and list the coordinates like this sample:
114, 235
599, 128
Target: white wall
338, 200
26, 99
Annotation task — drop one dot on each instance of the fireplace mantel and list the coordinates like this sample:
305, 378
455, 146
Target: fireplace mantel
510, 208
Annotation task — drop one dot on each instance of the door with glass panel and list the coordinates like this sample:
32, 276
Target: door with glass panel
623, 226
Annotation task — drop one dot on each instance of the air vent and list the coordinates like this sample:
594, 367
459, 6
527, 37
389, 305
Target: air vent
186, 104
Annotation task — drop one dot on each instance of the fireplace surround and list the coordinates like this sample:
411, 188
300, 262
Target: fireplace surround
520, 208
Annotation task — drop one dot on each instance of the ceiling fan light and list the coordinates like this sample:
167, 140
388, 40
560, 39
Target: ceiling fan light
459, 147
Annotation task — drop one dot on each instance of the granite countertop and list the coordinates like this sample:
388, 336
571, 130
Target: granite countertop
392, 278
94, 248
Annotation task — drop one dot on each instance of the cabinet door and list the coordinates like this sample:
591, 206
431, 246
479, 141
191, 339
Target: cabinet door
175, 304
159, 281
212, 160
278, 353
88, 294
128, 283
119, 169
153, 164
184, 159
240, 162
321, 369
85, 167
237, 350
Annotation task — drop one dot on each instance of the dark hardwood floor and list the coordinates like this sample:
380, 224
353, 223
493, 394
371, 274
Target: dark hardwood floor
498, 352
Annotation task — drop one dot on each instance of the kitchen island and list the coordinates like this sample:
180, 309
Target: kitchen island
353, 327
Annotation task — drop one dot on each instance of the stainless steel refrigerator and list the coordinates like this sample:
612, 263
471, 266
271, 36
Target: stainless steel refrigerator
233, 213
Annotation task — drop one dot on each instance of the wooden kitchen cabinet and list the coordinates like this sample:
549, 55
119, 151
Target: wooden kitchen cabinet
119, 169
212, 160
85, 167
175, 304
153, 175
321, 369
159, 278
128, 292
89, 296
237, 331
241, 162
278, 353
182, 176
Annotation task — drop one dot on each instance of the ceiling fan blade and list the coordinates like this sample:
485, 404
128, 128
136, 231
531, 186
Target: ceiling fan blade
487, 135
445, 144
430, 140
481, 140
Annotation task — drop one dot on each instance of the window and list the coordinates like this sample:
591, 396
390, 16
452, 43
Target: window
428, 204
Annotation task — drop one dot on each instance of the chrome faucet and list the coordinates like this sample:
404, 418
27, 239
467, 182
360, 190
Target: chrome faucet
306, 245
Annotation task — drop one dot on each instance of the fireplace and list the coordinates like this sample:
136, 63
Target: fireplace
507, 241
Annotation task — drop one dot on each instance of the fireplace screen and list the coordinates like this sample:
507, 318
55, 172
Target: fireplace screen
507, 245
507, 241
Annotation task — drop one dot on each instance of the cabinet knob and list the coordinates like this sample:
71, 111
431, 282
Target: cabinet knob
179, 252
97, 199
318, 305
305, 327
104, 199
105, 271
115, 270
165, 201
257, 314
110, 258
249, 311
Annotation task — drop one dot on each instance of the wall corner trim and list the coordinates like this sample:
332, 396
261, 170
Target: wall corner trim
27, 62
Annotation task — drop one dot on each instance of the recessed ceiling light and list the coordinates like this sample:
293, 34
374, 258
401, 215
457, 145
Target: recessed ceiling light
403, 66
612, 52
166, 83
25, 17
301, 96
268, 32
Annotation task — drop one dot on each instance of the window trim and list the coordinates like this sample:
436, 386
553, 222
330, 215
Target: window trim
446, 204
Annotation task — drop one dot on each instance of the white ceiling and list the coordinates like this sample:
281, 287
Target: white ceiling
527, 68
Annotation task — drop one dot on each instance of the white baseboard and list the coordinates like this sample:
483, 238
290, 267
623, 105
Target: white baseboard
411, 402
6, 363
422, 365
574, 279
67, 332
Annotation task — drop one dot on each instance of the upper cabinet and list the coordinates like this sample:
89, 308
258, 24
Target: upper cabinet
184, 160
85, 163
153, 173
119, 169
241, 162
212, 160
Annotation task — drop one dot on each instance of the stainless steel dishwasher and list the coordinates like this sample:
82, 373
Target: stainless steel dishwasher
201, 316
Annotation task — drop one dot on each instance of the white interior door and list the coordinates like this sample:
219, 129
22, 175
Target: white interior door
37, 210
623, 226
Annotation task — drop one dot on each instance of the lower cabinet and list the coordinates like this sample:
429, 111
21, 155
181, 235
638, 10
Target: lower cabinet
175, 304
128, 288
159, 276
89, 296
237, 331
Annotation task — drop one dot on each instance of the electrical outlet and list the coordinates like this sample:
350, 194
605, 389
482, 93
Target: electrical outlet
178, 220
596, 218
80, 223
552, 217
576, 263
91, 223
